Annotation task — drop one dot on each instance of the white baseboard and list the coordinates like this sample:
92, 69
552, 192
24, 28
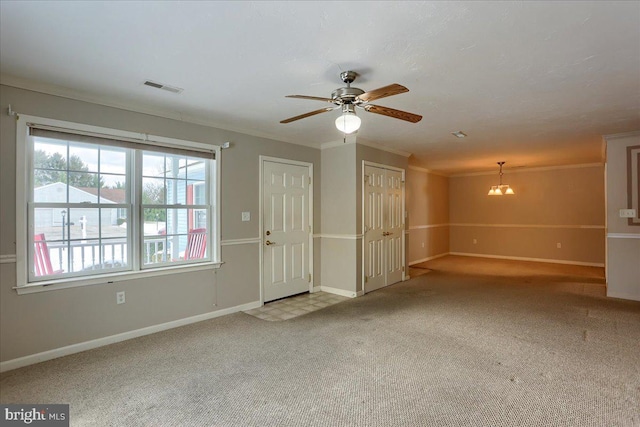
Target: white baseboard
634, 297
342, 292
100, 342
418, 261
405, 278
518, 258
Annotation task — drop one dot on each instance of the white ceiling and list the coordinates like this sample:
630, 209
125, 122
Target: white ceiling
532, 83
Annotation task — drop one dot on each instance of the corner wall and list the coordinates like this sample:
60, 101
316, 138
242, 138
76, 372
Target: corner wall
428, 209
551, 206
32, 324
341, 238
623, 239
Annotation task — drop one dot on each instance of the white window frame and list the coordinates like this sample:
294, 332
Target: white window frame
24, 171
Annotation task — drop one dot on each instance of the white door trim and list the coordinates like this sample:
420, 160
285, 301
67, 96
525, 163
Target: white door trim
362, 201
262, 160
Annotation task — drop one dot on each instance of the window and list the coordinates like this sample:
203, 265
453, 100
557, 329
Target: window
100, 201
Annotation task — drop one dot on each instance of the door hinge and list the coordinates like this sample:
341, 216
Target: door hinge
309, 277
366, 279
402, 268
309, 180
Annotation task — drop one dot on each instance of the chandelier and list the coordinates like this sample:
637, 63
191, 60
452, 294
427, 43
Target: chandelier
500, 189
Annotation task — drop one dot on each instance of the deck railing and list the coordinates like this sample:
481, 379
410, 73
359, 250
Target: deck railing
108, 254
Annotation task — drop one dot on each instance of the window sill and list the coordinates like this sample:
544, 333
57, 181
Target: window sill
101, 279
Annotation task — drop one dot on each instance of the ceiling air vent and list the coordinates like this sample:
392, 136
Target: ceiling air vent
168, 88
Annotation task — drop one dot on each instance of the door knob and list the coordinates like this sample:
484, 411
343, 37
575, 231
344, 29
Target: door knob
269, 243
268, 233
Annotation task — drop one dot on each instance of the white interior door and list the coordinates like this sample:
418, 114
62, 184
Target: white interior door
286, 229
394, 226
374, 228
383, 227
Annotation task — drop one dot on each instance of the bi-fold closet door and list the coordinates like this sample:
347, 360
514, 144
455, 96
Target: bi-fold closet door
384, 214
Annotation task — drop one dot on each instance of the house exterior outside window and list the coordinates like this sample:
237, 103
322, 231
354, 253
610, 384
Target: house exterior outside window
99, 202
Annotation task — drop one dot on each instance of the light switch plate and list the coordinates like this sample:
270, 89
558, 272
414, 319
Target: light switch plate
246, 216
627, 213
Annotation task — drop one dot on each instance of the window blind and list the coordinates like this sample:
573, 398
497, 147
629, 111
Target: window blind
114, 141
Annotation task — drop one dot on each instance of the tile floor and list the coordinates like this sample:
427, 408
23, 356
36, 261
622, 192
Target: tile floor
295, 306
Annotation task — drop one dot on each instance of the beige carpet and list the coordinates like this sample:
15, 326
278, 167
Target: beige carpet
516, 344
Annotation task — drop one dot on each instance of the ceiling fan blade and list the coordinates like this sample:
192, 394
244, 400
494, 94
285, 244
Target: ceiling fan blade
302, 116
313, 98
382, 92
391, 112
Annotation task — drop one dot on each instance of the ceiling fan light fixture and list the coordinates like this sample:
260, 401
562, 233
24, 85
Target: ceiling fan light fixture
348, 122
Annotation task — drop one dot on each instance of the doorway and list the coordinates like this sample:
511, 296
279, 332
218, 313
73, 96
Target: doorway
383, 225
286, 227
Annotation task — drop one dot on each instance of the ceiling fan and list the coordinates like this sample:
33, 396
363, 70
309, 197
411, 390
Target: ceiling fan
348, 98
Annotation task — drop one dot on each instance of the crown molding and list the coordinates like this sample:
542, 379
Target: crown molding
76, 95
621, 135
384, 148
421, 169
537, 169
352, 139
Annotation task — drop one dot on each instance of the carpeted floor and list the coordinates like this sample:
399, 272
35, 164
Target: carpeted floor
472, 343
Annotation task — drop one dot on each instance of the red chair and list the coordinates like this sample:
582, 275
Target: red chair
196, 244
41, 258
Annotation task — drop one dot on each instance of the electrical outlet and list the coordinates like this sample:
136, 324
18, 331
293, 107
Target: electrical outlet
423, 244
246, 216
120, 297
627, 213
559, 245
475, 241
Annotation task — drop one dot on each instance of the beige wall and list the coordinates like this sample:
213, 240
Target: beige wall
428, 210
623, 240
341, 239
44, 321
551, 206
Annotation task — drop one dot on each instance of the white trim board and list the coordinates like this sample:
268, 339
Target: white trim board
622, 135
626, 296
354, 140
112, 339
418, 261
598, 227
341, 292
425, 170
623, 236
7, 259
339, 236
517, 258
231, 242
454, 224
534, 169
420, 227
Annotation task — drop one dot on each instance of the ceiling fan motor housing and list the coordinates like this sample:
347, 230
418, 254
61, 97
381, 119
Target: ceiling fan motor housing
346, 95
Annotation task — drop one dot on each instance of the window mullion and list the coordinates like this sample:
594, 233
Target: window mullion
137, 220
